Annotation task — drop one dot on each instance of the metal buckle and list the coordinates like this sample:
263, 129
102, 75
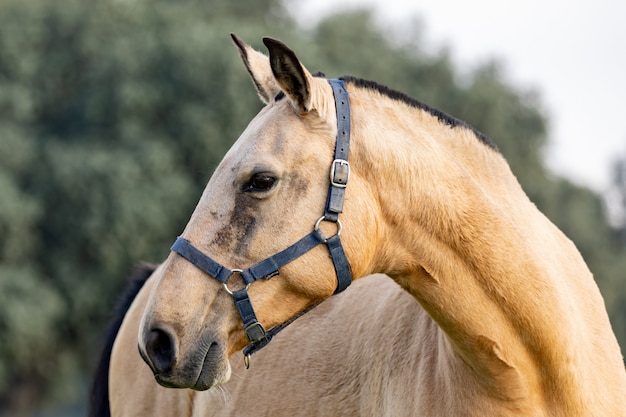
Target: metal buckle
340, 173
255, 332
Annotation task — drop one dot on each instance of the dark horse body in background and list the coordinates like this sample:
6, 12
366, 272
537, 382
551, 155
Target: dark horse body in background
99, 393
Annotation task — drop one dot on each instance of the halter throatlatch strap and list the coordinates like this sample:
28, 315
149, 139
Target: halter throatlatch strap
269, 267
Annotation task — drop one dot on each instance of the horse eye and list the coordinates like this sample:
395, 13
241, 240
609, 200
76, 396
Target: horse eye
260, 182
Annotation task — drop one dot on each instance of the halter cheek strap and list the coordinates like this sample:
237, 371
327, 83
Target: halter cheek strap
269, 267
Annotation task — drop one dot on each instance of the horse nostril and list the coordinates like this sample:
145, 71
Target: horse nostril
161, 350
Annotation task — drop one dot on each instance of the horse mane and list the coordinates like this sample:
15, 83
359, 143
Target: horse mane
99, 392
443, 117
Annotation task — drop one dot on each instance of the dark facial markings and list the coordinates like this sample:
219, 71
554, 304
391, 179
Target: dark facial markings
239, 229
241, 225
299, 185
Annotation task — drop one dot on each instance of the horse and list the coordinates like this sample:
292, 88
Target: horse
333, 363
336, 179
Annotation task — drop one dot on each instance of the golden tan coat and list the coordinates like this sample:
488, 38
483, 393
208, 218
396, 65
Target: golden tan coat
521, 326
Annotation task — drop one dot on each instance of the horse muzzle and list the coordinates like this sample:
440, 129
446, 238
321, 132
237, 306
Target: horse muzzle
205, 366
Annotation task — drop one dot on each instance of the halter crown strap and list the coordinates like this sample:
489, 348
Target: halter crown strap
269, 267
340, 170
339, 176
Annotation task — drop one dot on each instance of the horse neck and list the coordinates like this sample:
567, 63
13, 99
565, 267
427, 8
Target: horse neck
460, 235
440, 191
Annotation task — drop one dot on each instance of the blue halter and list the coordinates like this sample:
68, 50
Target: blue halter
269, 267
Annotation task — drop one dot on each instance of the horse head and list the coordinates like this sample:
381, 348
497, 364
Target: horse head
240, 257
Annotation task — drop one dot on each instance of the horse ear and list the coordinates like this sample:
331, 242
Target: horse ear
258, 67
293, 79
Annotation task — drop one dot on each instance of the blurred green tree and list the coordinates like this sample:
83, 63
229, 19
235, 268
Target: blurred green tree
615, 260
113, 115
618, 191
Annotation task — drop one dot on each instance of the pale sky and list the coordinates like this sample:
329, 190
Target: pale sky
572, 52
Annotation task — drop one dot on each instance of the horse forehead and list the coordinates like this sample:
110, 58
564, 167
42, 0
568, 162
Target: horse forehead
268, 119
277, 128
267, 142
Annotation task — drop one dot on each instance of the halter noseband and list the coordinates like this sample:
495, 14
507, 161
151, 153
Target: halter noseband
269, 267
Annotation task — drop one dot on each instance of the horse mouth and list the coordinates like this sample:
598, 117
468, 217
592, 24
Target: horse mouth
215, 369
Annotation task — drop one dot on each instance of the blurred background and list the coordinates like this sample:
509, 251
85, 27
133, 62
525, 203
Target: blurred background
114, 113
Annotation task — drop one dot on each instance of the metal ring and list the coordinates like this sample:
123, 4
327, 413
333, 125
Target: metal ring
246, 361
321, 219
225, 284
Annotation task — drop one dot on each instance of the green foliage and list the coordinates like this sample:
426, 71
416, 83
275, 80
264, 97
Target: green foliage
113, 115
619, 196
614, 258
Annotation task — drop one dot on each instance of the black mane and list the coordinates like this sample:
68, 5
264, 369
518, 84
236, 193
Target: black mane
397, 95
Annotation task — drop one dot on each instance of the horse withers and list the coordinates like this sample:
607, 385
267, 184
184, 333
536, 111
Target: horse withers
345, 178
